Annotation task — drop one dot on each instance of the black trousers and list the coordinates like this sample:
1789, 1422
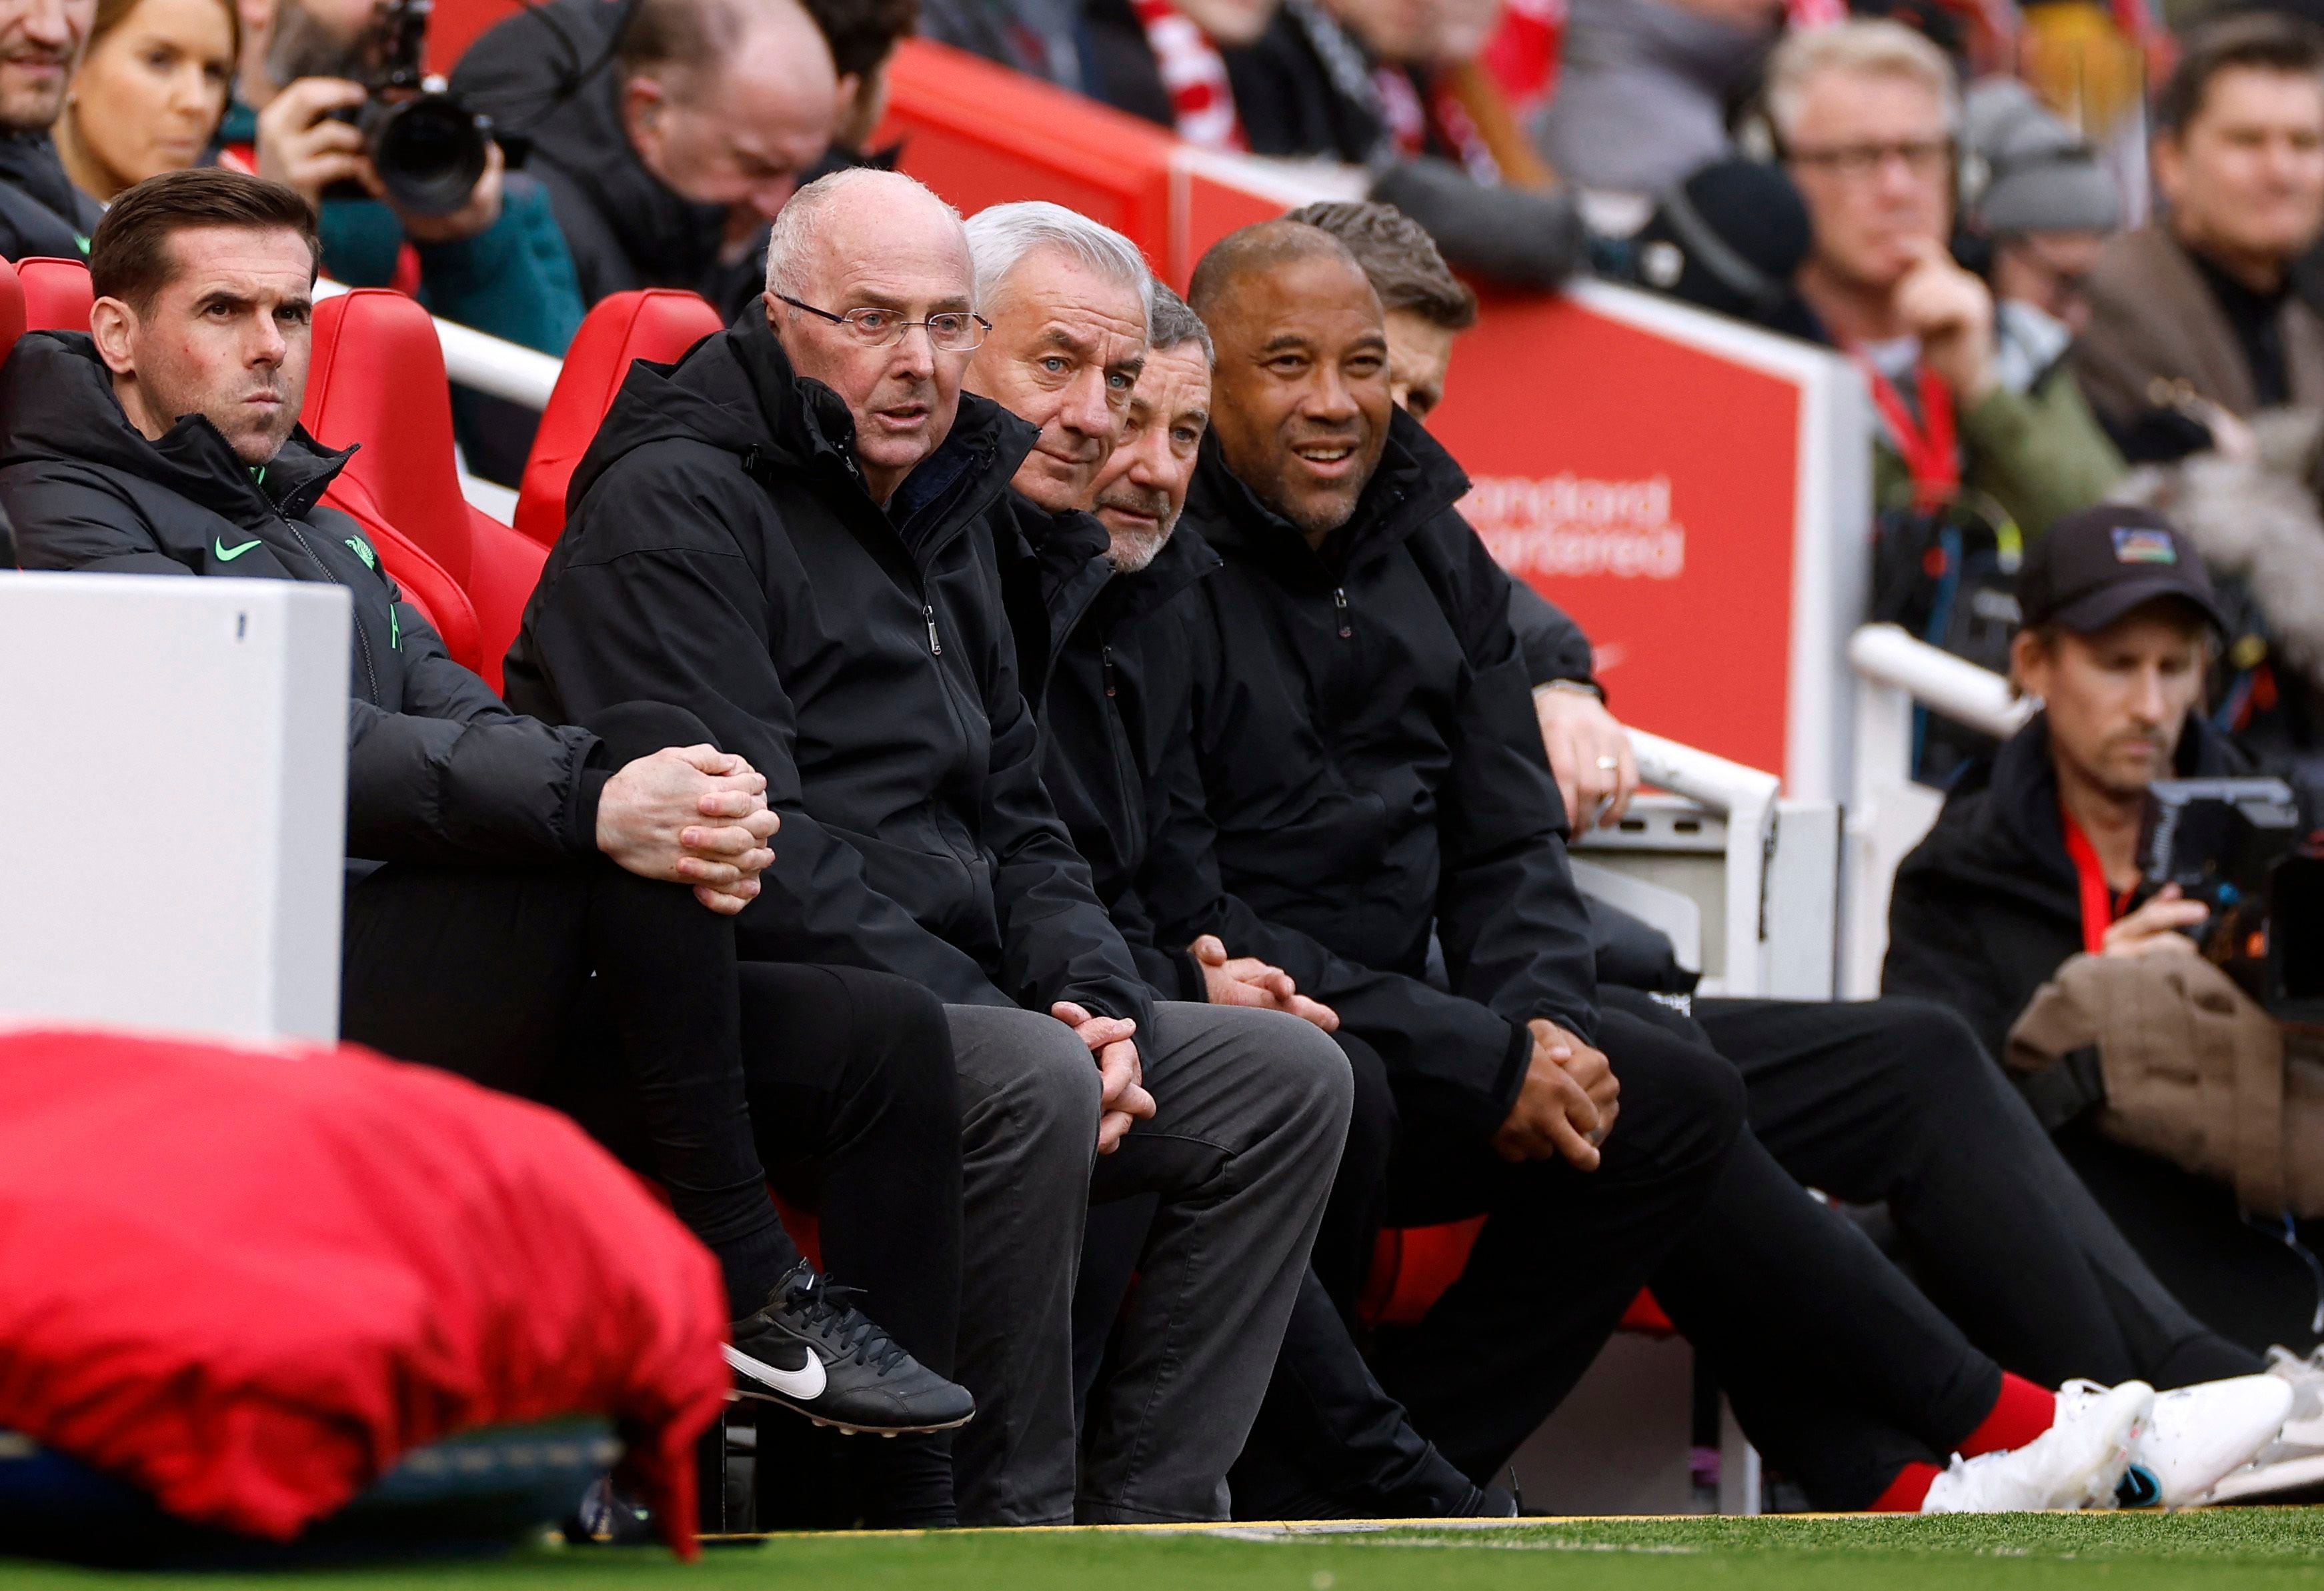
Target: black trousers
1894, 1101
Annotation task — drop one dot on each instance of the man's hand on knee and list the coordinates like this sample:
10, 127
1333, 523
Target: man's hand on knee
690, 814
1245, 980
1566, 1106
1123, 1098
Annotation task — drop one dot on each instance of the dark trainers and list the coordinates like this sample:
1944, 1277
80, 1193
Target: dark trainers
812, 1352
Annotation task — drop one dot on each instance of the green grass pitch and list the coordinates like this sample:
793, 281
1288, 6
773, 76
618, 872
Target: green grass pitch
2250, 1549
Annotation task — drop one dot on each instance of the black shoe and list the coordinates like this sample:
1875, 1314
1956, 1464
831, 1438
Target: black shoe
814, 1354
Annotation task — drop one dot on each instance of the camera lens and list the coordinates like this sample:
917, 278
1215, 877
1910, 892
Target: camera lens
430, 153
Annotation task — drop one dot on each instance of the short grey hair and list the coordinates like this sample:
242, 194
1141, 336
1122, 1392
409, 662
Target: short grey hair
1866, 47
1172, 321
1000, 237
799, 224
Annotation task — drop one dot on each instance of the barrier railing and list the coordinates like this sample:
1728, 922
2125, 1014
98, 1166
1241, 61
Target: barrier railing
1887, 813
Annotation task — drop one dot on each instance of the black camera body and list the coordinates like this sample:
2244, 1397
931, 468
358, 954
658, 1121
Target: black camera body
428, 148
2244, 848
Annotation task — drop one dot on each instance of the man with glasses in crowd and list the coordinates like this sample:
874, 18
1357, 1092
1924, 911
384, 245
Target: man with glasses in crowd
1866, 114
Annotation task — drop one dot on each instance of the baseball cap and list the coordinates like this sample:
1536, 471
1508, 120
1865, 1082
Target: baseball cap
2096, 565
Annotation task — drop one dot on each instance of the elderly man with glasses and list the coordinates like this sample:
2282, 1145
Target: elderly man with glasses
1866, 113
797, 533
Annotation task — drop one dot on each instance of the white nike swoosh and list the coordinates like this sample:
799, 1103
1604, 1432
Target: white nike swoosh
805, 1384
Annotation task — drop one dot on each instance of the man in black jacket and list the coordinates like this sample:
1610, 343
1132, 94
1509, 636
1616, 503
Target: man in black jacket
40, 211
1888, 1101
494, 861
2035, 860
1374, 777
796, 533
668, 133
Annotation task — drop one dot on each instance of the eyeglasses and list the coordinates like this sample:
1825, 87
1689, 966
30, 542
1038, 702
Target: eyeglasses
951, 331
1924, 157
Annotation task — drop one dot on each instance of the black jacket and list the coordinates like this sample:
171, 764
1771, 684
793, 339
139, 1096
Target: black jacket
723, 555
625, 228
1367, 757
1987, 906
41, 213
438, 769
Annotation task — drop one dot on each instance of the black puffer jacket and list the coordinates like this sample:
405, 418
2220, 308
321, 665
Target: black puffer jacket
438, 769
723, 555
1364, 736
40, 211
625, 228
1987, 906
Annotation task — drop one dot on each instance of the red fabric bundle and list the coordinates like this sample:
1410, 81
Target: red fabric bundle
248, 1281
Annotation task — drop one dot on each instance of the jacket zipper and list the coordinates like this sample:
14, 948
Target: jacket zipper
1340, 601
1105, 657
363, 642
928, 612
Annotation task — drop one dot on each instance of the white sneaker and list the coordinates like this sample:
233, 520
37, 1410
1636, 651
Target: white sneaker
2295, 1460
2077, 1463
2197, 1436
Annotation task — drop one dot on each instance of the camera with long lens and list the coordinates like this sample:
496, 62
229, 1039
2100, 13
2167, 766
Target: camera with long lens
2251, 850
428, 148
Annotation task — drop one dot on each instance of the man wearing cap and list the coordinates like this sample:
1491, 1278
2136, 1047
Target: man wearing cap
2034, 861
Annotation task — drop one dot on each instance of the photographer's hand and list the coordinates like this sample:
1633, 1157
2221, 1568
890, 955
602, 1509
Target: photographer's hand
303, 146
483, 208
2154, 928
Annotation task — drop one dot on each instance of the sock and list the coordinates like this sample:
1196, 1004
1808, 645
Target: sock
1906, 1491
2022, 1413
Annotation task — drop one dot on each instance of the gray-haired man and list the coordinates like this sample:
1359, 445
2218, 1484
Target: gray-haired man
797, 532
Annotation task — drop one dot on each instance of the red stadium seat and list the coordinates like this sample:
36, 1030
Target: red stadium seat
656, 324
1413, 1266
425, 584
57, 294
11, 308
378, 379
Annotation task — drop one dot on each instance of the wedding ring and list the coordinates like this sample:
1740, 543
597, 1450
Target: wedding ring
1608, 764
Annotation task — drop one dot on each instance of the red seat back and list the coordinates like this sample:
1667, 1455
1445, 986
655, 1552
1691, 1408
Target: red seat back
377, 379
425, 583
656, 324
57, 294
11, 308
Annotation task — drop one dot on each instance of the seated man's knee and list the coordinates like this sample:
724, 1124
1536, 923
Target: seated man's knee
1688, 1098
1030, 1067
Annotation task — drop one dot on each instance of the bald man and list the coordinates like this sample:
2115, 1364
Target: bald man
666, 165
794, 532
1373, 773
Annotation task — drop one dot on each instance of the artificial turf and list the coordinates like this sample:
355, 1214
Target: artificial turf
2254, 1549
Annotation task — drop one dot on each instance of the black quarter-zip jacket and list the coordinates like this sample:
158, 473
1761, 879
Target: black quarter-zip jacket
1366, 770
1988, 908
723, 555
439, 770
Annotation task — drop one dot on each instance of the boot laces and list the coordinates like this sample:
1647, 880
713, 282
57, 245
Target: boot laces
826, 1308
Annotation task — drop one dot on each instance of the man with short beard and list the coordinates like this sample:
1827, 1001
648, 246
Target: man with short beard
40, 211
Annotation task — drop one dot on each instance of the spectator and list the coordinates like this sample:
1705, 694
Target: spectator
1335, 526
2034, 861
495, 263
41, 210
497, 861
2045, 210
862, 35
1643, 88
668, 134
1865, 115
2064, 1294
150, 92
2196, 313
794, 532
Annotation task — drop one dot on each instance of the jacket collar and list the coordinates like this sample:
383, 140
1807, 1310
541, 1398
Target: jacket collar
1415, 480
57, 403
2022, 791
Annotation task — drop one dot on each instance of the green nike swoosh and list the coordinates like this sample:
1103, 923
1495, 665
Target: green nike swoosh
226, 554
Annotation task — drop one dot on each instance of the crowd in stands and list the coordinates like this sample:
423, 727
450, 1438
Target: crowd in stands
1039, 769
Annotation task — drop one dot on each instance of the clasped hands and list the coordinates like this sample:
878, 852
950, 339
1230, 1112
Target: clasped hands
691, 814
1567, 1105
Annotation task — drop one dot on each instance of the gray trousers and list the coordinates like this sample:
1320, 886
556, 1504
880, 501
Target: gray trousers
1252, 1108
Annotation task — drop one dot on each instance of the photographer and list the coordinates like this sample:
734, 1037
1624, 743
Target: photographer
496, 262
2022, 897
